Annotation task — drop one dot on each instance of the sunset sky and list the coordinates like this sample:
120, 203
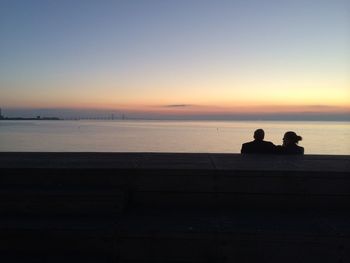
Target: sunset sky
168, 57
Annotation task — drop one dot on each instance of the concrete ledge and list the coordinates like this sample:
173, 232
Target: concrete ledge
196, 161
154, 207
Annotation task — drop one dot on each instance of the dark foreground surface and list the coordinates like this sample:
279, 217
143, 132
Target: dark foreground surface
144, 207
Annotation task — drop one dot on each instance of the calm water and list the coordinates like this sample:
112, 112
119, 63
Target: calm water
166, 136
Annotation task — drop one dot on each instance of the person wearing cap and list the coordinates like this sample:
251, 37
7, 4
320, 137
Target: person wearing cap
290, 144
258, 146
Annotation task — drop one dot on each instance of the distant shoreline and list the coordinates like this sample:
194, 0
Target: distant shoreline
31, 119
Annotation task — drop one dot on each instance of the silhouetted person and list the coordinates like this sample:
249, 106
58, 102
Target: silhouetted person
289, 146
258, 146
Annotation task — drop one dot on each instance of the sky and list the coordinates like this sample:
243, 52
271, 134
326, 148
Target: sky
166, 58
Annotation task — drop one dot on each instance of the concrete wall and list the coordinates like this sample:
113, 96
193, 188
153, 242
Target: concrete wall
165, 207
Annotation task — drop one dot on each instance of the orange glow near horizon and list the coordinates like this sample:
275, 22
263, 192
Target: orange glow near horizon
191, 109
219, 94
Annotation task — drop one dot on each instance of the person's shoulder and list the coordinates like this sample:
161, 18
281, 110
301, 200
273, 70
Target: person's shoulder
300, 149
248, 143
246, 147
270, 146
290, 150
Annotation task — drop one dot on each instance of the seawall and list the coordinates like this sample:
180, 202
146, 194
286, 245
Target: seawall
167, 207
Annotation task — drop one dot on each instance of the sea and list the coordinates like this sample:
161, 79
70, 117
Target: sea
166, 136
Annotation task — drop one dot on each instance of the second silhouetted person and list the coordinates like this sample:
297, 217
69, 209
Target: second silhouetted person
258, 146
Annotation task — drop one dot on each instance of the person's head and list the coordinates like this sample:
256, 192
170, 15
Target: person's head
259, 135
290, 138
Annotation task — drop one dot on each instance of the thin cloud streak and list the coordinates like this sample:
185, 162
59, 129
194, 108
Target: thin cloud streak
177, 105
